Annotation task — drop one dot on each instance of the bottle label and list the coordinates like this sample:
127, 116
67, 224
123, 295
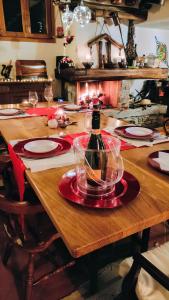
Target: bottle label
96, 119
96, 131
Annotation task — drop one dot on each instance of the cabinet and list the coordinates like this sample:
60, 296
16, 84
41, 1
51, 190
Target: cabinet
15, 91
27, 20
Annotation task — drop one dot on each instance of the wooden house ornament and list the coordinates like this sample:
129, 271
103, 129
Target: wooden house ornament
98, 41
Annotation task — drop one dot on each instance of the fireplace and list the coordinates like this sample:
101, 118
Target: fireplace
114, 85
76, 83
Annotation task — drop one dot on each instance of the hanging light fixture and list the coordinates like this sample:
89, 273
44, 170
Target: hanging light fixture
81, 14
67, 17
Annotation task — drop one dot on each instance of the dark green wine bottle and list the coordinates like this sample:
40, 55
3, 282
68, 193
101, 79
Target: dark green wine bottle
96, 159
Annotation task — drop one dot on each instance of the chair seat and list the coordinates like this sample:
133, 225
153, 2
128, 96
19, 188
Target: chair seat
147, 288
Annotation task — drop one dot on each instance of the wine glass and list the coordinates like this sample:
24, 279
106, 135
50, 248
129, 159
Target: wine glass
48, 94
33, 98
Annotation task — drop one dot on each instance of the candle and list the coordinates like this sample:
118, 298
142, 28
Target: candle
60, 113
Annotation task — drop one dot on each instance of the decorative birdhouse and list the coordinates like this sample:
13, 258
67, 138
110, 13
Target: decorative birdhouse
105, 60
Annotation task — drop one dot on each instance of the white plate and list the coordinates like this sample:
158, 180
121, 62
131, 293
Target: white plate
9, 111
40, 146
72, 107
139, 131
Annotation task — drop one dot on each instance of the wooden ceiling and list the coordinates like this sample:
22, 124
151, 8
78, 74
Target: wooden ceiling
127, 9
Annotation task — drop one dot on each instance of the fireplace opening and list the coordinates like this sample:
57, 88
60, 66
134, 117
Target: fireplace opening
83, 90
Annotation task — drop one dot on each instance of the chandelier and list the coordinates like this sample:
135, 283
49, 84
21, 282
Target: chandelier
81, 14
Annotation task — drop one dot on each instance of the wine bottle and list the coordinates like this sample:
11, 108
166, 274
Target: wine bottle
96, 160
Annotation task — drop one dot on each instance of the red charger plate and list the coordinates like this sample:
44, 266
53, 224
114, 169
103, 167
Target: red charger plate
125, 191
155, 164
121, 130
17, 112
63, 146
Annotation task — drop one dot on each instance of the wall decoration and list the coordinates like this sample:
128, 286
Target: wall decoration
161, 52
104, 61
6, 70
130, 49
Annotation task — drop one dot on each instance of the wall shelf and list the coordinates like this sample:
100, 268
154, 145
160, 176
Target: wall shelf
72, 74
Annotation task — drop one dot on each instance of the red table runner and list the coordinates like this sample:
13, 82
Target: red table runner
41, 111
71, 137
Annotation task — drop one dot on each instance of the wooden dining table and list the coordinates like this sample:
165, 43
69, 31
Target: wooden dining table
83, 229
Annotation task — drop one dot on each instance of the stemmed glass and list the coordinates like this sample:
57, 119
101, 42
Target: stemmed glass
48, 94
33, 98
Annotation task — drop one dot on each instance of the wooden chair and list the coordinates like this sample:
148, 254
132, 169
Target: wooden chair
146, 275
23, 221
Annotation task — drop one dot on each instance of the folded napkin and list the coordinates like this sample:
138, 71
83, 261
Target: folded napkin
36, 165
41, 111
24, 115
158, 138
163, 160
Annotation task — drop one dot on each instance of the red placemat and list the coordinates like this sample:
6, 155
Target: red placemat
41, 111
71, 137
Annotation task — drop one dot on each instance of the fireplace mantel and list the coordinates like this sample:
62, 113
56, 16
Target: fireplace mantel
71, 74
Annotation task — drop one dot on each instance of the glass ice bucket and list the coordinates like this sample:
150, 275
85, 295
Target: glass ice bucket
97, 171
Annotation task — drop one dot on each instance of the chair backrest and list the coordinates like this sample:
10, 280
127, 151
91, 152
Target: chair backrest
146, 275
10, 202
19, 170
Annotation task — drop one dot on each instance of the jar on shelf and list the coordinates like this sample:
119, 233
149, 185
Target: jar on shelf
151, 60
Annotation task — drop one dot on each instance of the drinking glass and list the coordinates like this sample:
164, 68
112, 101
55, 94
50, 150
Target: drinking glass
33, 98
48, 94
90, 182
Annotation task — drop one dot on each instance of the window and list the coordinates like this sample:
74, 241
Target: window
26, 20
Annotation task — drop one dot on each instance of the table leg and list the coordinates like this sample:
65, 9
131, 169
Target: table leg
93, 272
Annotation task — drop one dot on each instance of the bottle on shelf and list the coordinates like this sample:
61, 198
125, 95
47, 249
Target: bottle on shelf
95, 157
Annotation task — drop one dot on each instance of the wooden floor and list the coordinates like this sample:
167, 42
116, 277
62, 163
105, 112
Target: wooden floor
58, 286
